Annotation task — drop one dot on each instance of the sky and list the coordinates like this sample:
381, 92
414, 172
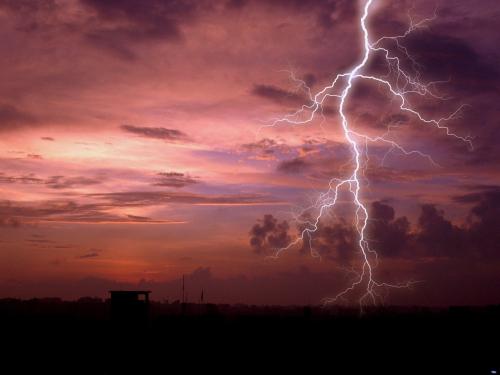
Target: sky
134, 149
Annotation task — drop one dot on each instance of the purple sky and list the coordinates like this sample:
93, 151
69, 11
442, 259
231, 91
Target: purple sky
132, 149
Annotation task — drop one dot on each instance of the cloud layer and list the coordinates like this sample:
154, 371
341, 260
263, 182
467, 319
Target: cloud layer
118, 119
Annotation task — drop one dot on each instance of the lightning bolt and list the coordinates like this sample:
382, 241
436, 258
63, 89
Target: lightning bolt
403, 84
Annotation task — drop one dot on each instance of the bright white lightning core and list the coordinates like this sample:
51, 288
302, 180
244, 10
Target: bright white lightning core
402, 85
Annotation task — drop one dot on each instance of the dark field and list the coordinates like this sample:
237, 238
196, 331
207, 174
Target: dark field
54, 336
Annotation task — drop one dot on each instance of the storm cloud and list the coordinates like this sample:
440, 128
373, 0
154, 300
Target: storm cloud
156, 132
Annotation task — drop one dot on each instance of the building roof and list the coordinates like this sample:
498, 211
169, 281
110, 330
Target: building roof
130, 291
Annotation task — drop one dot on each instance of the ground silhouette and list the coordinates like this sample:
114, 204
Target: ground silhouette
55, 336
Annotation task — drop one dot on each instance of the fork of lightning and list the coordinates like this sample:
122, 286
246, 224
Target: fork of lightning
400, 87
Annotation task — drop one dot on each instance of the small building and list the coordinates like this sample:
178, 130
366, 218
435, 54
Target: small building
130, 306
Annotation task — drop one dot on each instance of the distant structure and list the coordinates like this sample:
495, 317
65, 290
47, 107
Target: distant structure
183, 291
130, 306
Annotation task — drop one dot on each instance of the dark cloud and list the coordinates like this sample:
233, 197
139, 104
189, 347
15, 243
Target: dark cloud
151, 198
453, 49
130, 19
442, 48
32, 16
456, 47
318, 158
325, 160
433, 236
486, 138
291, 99
102, 210
437, 236
12, 118
39, 240
91, 254
236, 4
266, 149
11, 222
268, 235
334, 241
54, 182
116, 26
139, 218
62, 182
389, 235
384, 174
34, 156
27, 6
444, 56
328, 13
479, 194
112, 44
47, 139
26, 179
394, 119
369, 101
296, 165
278, 95
310, 79
174, 179
156, 132
15, 213
482, 228
337, 239
265, 146
119, 24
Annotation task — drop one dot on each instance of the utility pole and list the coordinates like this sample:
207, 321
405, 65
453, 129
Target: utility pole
183, 291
